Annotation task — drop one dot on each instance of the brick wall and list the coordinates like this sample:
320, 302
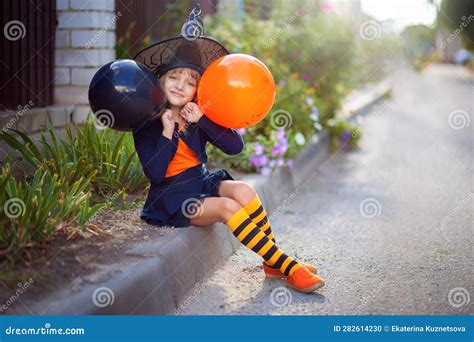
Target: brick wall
85, 40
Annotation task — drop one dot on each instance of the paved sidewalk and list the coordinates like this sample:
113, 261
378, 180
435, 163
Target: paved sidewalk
389, 226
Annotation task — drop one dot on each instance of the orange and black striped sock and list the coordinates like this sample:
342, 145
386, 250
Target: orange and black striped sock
259, 216
247, 232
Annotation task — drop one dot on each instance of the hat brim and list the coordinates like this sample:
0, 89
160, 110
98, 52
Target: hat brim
159, 57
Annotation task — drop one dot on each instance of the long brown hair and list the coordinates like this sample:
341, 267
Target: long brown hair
190, 72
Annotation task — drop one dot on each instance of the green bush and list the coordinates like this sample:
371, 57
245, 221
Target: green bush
320, 49
343, 134
374, 58
33, 209
106, 157
70, 181
304, 99
418, 44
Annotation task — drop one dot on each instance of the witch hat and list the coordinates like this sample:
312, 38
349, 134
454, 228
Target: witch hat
191, 49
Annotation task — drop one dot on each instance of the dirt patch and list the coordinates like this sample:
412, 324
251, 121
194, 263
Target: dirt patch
56, 264
63, 262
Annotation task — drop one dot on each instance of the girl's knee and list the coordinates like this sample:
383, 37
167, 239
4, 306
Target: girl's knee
247, 190
228, 208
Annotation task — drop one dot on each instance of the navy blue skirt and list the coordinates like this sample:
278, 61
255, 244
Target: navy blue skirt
175, 200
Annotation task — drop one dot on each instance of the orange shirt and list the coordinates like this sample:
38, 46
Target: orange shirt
184, 158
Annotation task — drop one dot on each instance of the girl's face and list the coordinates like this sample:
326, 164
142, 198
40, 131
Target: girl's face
180, 85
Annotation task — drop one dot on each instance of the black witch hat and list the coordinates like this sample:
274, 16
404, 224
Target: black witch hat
191, 49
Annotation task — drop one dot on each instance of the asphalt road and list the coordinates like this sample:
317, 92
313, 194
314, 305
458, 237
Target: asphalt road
389, 226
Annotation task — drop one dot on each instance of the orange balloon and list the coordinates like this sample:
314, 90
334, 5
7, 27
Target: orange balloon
236, 91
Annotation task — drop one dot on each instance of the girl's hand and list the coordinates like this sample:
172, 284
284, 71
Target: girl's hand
168, 123
191, 112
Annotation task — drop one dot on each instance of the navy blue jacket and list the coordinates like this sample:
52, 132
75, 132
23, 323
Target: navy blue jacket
156, 151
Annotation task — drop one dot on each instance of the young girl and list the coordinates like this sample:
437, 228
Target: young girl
172, 151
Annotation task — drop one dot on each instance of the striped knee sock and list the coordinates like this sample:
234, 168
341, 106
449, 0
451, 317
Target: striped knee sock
259, 216
247, 232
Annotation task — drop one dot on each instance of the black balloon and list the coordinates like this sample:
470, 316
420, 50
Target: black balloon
123, 94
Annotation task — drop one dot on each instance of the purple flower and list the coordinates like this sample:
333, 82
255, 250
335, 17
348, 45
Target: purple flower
282, 146
280, 161
259, 148
280, 149
258, 161
290, 164
276, 150
253, 160
241, 130
281, 133
306, 76
309, 101
282, 83
345, 136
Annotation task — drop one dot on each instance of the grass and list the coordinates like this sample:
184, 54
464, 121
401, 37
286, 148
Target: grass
63, 182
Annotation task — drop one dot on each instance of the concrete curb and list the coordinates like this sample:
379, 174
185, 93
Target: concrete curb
361, 100
166, 270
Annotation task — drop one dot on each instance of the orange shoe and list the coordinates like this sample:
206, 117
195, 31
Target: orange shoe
277, 274
304, 281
